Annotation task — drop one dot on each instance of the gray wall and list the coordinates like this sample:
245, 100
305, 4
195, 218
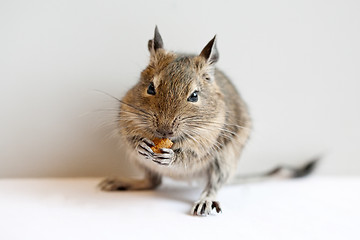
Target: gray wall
295, 62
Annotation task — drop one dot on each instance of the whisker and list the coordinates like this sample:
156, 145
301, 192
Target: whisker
217, 128
127, 104
212, 122
204, 145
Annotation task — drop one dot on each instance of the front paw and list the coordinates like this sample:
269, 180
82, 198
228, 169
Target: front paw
204, 207
144, 148
166, 157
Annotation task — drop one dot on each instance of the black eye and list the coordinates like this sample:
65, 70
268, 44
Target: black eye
193, 97
151, 89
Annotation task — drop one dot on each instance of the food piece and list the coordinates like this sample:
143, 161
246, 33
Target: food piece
161, 143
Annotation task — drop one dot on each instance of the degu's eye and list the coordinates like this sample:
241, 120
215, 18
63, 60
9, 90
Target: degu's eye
193, 97
151, 89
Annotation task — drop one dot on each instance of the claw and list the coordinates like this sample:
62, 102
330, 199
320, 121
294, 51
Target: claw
194, 210
148, 142
203, 209
216, 206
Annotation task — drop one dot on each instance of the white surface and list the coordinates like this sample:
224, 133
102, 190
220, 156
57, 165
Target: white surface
295, 62
313, 208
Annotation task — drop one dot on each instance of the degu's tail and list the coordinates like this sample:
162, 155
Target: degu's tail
281, 172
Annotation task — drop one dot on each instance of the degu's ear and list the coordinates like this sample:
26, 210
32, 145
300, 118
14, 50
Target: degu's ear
156, 43
210, 52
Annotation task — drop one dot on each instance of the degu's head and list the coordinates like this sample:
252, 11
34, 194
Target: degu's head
177, 96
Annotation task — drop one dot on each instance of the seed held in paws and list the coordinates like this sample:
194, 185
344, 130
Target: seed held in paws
161, 143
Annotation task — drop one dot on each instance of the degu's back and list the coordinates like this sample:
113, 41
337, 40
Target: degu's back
238, 122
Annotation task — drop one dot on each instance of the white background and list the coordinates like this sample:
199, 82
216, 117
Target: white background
296, 63
314, 208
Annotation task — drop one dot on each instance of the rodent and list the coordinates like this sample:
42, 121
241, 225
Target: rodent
187, 99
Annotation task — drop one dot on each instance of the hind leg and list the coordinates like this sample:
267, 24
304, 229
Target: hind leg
150, 181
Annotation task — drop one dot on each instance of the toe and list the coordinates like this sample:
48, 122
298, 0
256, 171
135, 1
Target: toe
198, 211
166, 150
145, 147
162, 156
194, 209
148, 142
112, 185
208, 208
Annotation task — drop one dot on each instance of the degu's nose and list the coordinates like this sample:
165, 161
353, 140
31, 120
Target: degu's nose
165, 132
